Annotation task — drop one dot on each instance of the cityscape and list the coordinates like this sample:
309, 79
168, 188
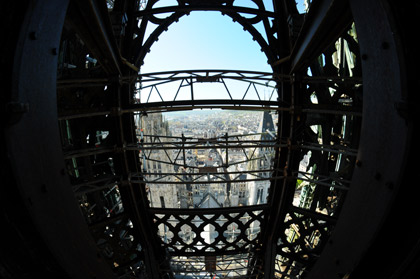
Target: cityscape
213, 159
207, 158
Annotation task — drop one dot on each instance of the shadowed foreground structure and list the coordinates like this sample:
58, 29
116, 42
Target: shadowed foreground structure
333, 184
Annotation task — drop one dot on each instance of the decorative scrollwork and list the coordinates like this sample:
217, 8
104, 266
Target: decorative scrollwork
118, 245
204, 231
247, 16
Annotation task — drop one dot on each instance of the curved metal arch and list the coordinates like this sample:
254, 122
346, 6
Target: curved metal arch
228, 7
44, 187
145, 48
386, 177
140, 51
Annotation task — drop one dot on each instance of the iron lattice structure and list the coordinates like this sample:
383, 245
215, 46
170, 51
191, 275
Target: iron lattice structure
95, 161
299, 231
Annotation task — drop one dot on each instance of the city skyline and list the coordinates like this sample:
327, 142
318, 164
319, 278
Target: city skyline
206, 175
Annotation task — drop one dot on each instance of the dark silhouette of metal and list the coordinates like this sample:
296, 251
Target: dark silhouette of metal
78, 191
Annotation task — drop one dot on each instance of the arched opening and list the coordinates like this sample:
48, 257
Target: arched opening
123, 240
205, 40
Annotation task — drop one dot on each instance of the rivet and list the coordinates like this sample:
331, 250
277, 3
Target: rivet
33, 35
385, 45
16, 107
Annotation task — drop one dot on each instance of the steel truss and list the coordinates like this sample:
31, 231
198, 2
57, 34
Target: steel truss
307, 224
147, 16
328, 163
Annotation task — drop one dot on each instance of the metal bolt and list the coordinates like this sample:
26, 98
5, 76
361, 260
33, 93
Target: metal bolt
17, 107
385, 45
33, 35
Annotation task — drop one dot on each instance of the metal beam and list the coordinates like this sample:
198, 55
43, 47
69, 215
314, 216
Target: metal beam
91, 22
212, 73
208, 211
382, 156
141, 48
220, 8
36, 158
196, 104
324, 23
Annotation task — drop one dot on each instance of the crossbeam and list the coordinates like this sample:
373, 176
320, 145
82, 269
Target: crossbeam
189, 8
91, 21
326, 22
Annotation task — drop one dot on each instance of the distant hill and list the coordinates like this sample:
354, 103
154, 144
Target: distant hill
206, 112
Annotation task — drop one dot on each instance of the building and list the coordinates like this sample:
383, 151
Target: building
156, 164
263, 160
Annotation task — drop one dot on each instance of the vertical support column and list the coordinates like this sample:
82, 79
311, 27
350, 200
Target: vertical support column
134, 194
183, 150
227, 151
33, 144
192, 91
385, 145
281, 191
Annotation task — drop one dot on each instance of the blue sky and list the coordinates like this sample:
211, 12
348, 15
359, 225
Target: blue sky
206, 40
